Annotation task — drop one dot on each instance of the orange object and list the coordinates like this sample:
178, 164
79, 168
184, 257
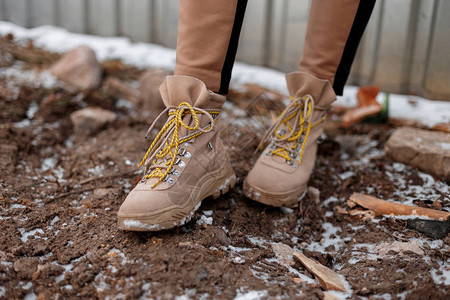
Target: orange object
382, 207
367, 106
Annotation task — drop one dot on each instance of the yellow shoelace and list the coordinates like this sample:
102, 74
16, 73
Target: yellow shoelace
301, 112
165, 146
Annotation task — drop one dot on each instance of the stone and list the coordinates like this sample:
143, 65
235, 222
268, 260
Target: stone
431, 228
401, 248
79, 68
424, 149
314, 194
149, 96
90, 120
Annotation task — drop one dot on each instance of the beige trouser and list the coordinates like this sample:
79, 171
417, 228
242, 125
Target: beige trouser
208, 34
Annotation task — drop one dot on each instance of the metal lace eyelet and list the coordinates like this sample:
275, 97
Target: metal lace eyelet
176, 173
290, 162
187, 155
181, 164
170, 181
293, 155
181, 151
210, 145
143, 180
281, 132
177, 161
267, 153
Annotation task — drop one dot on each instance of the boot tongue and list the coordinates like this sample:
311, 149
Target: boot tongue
300, 84
177, 89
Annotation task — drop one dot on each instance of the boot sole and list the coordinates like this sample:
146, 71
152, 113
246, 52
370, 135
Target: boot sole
215, 183
285, 199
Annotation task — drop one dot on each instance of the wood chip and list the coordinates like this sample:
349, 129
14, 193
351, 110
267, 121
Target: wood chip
362, 214
328, 279
340, 210
382, 207
330, 296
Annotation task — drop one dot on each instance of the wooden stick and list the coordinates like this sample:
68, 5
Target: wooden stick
328, 279
382, 207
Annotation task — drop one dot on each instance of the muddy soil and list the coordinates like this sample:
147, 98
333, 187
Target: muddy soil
60, 193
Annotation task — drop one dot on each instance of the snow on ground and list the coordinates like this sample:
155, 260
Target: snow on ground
144, 55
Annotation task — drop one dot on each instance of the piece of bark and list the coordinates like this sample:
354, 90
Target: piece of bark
329, 279
367, 106
444, 127
382, 207
431, 228
362, 214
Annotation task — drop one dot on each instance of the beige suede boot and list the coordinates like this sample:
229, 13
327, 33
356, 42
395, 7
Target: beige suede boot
281, 173
186, 162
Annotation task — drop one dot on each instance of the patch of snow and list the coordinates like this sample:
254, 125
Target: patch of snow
32, 110
445, 146
97, 170
251, 295
30, 296
327, 239
205, 220
26, 234
208, 213
444, 273
48, 163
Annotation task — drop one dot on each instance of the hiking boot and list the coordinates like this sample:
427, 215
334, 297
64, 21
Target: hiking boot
281, 173
186, 162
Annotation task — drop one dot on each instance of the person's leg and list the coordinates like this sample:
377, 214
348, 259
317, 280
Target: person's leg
208, 35
333, 34
187, 161
334, 31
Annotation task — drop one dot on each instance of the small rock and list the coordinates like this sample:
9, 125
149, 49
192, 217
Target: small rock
202, 274
284, 254
431, 228
79, 68
399, 247
149, 95
424, 149
91, 119
313, 194
6, 59
26, 267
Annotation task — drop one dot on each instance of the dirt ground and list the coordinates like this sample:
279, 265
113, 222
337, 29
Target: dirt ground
60, 193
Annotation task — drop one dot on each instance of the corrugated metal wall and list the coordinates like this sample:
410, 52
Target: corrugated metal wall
406, 47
